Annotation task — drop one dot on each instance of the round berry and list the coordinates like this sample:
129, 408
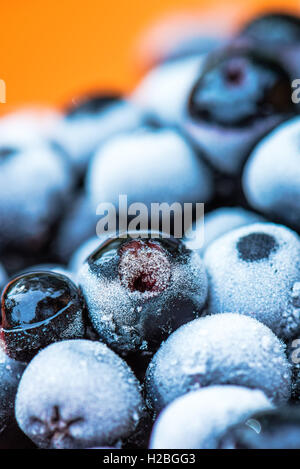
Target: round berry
78, 394
197, 419
34, 185
39, 308
271, 177
224, 349
139, 289
252, 271
239, 97
148, 166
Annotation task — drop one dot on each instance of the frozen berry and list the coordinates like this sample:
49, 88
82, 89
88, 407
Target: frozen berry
139, 289
239, 97
34, 185
10, 375
220, 349
148, 166
271, 177
197, 419
252, 271
78, 394
273, 429
39, 308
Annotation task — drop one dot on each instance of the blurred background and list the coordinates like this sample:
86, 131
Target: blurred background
54, 50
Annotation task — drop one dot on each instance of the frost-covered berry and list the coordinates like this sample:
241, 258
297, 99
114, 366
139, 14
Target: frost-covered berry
271, 177
253, 271
217, 223
198, 419
78, 394
34, 184
139, 289
10, 375
92, 120
220, 349
148, 166
39, 308
239, 97
164, 91
273, 429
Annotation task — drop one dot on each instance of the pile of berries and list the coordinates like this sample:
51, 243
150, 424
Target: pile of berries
139, 339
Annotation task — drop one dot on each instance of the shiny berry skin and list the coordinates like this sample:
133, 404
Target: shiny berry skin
138, 290
239, 97
39, 308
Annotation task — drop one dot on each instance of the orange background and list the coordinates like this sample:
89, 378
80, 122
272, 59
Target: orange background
52, 50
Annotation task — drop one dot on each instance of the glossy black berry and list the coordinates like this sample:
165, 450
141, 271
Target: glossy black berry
138, 290
256, 246
39, 308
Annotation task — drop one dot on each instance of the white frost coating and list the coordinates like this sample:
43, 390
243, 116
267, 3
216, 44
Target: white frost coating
220, 349
271, 177
81, 135
261, 289
165, 90
219, 222
34, 182
84, 380
198, 419
148, 166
